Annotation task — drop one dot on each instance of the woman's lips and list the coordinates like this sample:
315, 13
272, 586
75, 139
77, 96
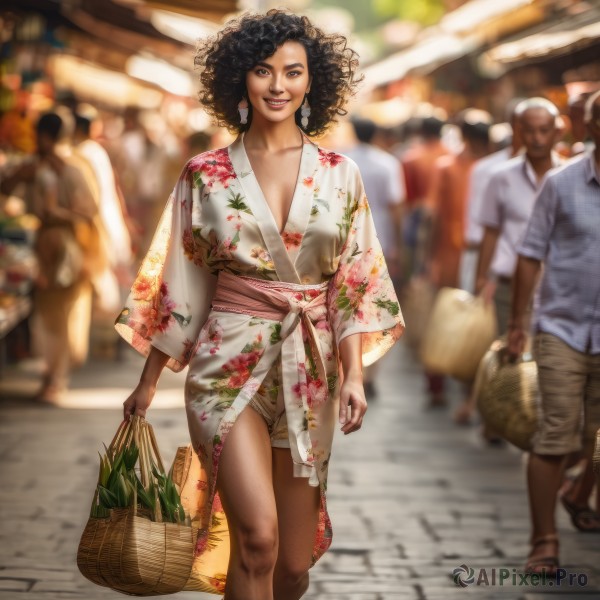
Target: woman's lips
273, 103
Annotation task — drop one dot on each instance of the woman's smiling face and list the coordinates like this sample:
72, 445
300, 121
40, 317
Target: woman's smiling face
277, 85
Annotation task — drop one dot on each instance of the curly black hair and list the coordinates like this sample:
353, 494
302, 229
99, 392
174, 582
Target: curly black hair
226, 58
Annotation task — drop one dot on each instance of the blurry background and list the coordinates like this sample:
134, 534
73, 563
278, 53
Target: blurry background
120, 74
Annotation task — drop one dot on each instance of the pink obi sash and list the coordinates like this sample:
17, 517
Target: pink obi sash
297, 307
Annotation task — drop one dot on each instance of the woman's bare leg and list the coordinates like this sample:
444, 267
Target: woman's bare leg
246, 489
298, 515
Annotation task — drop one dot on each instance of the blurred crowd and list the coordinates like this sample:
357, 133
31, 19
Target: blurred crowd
494, 238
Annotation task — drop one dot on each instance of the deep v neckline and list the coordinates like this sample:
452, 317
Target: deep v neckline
285, 246
295, 193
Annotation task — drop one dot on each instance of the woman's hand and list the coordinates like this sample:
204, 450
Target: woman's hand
139, 401
353, 404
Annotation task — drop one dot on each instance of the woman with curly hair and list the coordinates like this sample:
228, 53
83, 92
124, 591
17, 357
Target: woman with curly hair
266, 277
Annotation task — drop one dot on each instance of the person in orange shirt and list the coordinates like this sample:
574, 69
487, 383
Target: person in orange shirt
417, 165
446, 207
447, 201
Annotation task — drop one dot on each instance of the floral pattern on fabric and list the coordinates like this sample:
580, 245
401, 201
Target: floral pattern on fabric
216, 222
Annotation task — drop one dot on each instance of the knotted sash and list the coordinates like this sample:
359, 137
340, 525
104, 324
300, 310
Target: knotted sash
297, 307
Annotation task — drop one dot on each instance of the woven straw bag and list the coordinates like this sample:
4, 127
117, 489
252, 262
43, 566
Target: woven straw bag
507, 395
132, 550
596, 457
460, 329
417, 301
209, 568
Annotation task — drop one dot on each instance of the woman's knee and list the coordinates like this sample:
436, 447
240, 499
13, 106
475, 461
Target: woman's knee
292, 574
257, 547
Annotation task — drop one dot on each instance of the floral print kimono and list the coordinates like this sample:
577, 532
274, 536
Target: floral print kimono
326, 267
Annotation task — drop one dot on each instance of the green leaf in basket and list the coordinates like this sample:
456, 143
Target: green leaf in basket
106, 497
123, 491
115, 472
159, 476
108, 454
104, 470
130, 456
146, 498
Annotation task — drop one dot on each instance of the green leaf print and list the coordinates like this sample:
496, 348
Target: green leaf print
123, 317
355, 250
331, 382
275, 333
344, 226
183, 321
319, 202
237, 203
198, 183
392, 307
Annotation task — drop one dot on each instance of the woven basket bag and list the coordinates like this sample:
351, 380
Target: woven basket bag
507, 395
461, 328
132, 551
596, 457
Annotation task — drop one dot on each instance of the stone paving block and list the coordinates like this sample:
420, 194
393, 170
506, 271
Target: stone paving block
40, 574
8, 584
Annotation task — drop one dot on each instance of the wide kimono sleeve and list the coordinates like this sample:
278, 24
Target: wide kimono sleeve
361, 297
171, 295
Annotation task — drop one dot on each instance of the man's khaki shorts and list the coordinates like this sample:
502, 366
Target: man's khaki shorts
570, 391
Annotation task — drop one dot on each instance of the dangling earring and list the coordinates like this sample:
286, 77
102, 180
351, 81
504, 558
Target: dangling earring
305, 113
243, 110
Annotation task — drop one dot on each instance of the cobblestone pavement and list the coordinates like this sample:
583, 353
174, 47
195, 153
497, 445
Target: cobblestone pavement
412, 496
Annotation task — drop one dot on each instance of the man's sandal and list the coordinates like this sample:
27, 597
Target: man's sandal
585, 519
548, 564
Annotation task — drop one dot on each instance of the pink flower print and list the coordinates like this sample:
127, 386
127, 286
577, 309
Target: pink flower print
330, 159
291, 240
299, 389
159, 316
143, 287
215, 168
166, 307
240, 368
323, 324
218, 582
212, 333
217, 506
316, 392
201, 542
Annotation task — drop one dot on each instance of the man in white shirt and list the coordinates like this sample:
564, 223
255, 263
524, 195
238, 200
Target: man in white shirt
384, 185
480, 176
509, 200
507, 203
